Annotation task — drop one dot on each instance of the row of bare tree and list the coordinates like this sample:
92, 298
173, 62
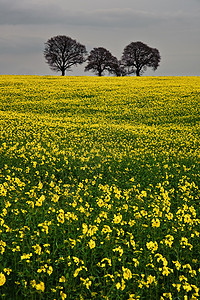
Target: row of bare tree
62, 52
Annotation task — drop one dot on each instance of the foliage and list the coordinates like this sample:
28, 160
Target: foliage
62, 52
101, 60
137, 57
99, 188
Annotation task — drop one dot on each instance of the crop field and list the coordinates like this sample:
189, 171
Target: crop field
99, 188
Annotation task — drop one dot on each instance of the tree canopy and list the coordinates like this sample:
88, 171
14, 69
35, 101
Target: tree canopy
62, 52
101, 60
137, 56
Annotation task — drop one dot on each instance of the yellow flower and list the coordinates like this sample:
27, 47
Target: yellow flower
167, 295
33, 283
123, 285
103, 215
61, 216
102, 264
126, 273
7, 271
50, 270
184, 243
40, 286
196, 289
2, 246
40, 185
166, 271
42, 269
40, 201
161, 258
169, 216
100, 202
37, 249
119, 249
85, 228
187, 287
143, 194
177, 286
182, 277
2, 279
62, 279
92, 230
118, 285
26, 256
133, 297
92, 244
155, 222
151, 279
73, 242
3, 190
187, 219
76, 260
117, 219
177, 264
25, 283
87, 282
44, 226
152, 246
78, 270
131, 223
55, 198
94, 294
106, 229
63, 295
169, 240
136, 262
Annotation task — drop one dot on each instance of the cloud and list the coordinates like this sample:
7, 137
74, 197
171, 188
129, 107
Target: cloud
45, 13
16, 45
25, 25
18, 14
125, 17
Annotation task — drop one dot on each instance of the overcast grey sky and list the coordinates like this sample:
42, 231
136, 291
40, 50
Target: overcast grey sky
172, 26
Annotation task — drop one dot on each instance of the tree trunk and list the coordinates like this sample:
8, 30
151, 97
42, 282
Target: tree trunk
63, 72
137, 73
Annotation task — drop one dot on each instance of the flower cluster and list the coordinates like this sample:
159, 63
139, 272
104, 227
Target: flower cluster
99, 188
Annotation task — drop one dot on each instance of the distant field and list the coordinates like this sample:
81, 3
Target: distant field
99, 188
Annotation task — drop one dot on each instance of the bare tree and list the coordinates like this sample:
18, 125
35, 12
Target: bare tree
137, 56
62, 52
101, 60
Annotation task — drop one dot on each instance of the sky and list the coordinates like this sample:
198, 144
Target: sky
172, 26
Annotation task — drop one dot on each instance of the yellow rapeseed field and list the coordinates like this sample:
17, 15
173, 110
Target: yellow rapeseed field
99, 188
